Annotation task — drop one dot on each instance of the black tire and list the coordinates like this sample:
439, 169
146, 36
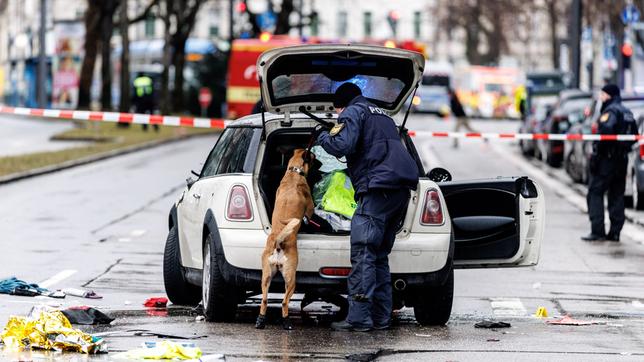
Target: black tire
177, 288
219, 298
433, 305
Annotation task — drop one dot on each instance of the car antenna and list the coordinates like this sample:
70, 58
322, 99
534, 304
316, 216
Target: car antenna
402, 126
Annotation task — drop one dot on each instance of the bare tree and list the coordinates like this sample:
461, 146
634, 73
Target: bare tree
485, 24
179, 19
92, 21
124, 24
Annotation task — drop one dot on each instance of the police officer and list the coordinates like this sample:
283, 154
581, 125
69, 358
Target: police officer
608, 169
382, 172
144, 97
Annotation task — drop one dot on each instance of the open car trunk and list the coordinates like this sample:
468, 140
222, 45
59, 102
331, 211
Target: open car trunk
280, 145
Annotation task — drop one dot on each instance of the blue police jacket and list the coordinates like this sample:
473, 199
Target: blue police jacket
376, 156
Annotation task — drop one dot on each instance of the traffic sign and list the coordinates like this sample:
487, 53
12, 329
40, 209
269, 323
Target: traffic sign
630, 14
205, 97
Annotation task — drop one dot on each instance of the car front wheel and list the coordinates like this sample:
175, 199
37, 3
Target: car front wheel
433, 305
219, 298
177, 288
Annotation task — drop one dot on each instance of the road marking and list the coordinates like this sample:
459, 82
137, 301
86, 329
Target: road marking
138, 232
57, 278
508, 307
429, 157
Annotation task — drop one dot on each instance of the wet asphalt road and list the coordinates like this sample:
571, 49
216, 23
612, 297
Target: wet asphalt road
102, 226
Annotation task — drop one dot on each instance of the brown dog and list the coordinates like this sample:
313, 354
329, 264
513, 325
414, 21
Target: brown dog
292, 202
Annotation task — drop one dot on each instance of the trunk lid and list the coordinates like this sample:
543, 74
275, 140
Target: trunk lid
308, 75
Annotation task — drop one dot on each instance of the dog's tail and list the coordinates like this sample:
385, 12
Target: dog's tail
286, 231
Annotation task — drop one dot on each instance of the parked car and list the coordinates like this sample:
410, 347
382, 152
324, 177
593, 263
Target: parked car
570, 102
432, 95
635, 170
532, 122
577, 153
219, 224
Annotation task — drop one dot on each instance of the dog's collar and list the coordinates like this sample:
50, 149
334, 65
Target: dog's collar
297, 170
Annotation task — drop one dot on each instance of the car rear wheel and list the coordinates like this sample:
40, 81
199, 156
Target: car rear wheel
219, 298
433, 305
177, 288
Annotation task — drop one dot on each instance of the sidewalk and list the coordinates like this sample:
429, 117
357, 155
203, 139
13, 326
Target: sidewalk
23, 135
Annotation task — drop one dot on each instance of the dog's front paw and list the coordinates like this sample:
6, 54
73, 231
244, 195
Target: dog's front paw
287, 324
261, 322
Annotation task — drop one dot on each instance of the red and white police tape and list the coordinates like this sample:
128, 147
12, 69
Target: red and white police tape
118, 117
218, 123
530, 136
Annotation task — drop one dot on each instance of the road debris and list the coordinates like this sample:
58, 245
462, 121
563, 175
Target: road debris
86, 315
90, 294
159, 302
569, 321
163, 350
15, 286
492, 324
541, 312
50, 330
146, 333
422, 335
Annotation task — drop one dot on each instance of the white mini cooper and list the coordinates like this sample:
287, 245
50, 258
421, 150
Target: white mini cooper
219, 224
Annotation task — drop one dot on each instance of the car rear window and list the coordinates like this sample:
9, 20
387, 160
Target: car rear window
231, 153
374, 87
574, 105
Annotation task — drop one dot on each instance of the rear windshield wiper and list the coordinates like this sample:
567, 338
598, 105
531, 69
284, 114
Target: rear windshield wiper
316, 118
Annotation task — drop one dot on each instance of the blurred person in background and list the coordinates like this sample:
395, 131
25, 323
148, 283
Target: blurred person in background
459, 115
608, 168
144, 97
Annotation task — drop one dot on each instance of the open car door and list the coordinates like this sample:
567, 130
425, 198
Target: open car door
497, 222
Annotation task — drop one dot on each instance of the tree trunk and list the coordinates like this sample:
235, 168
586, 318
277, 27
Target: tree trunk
167, 59
283, 25
124, 104
107, 27
92, 20
554, 20
179, 61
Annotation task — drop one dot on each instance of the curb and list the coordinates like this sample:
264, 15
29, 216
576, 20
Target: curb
90, 159
581, 190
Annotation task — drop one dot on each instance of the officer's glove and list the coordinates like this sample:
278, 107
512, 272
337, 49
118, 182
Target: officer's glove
318, 130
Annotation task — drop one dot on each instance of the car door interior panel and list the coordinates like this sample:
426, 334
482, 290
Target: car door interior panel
485, 216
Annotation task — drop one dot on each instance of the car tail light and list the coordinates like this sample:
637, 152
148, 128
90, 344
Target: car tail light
642, 150
335, 272
238, 204
432, 210
594, 128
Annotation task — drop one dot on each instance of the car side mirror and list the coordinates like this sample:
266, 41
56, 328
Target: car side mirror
439, 174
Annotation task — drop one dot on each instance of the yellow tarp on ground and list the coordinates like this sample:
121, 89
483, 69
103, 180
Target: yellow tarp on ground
163, 350
50, 330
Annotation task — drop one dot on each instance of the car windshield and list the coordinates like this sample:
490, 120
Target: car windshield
375, 87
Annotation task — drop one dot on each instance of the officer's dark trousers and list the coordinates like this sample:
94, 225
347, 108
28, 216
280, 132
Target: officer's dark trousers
607, 175
373, 230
